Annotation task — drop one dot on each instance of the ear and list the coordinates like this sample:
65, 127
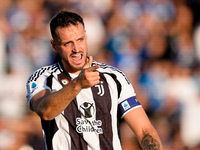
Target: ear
85, 34
53, 45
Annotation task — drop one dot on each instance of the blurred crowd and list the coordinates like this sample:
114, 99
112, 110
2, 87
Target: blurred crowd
156, 43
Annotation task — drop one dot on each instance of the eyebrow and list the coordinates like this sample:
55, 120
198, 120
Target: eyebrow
60, 42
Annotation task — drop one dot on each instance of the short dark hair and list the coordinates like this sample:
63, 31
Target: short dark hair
64, 19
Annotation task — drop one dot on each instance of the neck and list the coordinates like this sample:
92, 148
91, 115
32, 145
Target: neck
69, 69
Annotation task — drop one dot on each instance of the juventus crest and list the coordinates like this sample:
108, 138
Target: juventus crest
100, 88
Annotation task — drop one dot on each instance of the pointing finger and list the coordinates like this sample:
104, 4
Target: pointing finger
93, 68
89, 62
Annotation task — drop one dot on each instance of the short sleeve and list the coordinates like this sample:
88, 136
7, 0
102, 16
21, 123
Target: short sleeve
36, 83
127, 99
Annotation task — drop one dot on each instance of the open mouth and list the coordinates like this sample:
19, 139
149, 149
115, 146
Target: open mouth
77, 58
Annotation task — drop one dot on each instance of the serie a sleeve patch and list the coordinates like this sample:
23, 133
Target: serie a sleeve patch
128, 105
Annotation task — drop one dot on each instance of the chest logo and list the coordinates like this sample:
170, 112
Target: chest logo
88, 124
87, 109
100, 88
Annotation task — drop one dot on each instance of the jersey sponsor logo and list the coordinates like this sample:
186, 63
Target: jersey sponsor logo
84, 125
33, 87
87, 123
125, 105
64, 81
87, 109
100, 88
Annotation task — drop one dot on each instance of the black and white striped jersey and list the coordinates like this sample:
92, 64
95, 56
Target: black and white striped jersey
90, 121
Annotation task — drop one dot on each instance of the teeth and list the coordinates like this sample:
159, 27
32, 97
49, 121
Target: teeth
77, 58
75, 55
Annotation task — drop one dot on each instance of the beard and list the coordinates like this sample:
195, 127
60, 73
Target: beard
72, 68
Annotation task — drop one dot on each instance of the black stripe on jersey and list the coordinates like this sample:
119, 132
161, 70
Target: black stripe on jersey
50, 128
64, 75
103, 108
119, 86
49, 81
71, 113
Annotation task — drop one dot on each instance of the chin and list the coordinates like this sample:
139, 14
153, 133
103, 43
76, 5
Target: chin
77, 68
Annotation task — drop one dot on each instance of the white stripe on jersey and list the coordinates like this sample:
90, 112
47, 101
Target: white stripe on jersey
61, 139
116, 140
92, 138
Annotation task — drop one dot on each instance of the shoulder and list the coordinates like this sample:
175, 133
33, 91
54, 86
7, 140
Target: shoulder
43, 71
107, 68
111, 70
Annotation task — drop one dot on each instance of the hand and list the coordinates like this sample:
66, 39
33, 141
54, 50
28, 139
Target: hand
89, 76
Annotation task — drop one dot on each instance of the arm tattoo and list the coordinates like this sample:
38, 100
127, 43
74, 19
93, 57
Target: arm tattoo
149, 143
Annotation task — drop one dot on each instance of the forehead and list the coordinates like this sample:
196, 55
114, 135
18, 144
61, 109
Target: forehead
70, 32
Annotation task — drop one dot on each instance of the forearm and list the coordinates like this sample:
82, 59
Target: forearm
143, 129
150, 142
53, 104
48, 105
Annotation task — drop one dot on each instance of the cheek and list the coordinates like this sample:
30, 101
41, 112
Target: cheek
65, 50
64, 53
85, 47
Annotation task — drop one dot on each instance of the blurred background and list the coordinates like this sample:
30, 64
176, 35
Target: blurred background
156, 43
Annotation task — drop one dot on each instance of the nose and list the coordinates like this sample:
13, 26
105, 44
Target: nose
76, 48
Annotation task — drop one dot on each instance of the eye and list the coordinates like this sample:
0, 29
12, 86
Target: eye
81, 39
66, 44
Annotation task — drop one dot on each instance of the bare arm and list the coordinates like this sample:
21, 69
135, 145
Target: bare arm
142, 127
48, 105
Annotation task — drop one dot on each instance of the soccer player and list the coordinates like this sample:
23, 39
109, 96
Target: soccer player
78, 99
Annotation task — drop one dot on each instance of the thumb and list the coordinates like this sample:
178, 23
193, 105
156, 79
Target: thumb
89, 62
